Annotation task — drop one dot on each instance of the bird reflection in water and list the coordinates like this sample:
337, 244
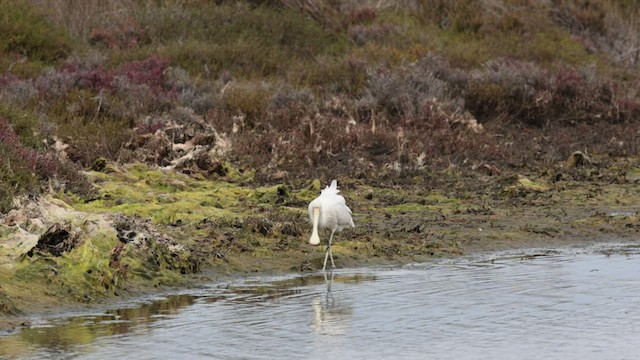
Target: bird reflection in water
331, 316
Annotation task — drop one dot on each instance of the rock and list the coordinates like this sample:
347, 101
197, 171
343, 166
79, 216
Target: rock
15, 217
99, 164
577, 159
56, 240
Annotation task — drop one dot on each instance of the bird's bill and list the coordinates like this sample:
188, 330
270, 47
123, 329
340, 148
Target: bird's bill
315, 239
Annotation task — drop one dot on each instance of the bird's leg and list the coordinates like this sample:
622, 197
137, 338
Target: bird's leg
326, 256
333, 265
328, 253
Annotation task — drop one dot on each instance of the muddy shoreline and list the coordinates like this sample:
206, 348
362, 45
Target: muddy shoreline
151, 230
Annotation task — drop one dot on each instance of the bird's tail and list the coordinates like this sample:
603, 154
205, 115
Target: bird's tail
331, 189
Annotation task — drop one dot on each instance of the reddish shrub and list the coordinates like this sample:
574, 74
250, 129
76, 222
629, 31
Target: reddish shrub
569, 83
148, 72
7, 135
95, 79
360, 16
43, 164
361, 34
7, 78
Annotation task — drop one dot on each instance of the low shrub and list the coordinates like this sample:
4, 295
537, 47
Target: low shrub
121, 34
260, 41
330, 75
362, 34
23, 169
524, 92
288, 105
249, 100
16, 170
28, 128
28, 32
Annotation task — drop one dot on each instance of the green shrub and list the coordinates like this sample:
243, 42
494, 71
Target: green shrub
16, 177
330, 74
23, 169
207, 39
25, 124
28, 32
248, 99
92, 140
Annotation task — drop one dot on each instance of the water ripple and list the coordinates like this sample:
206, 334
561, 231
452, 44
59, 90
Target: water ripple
536, 305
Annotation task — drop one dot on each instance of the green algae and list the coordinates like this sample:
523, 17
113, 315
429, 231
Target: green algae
166, 197
633, 174
99, 264
81, 274
519, 186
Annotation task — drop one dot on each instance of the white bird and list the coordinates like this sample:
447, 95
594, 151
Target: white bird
329, 211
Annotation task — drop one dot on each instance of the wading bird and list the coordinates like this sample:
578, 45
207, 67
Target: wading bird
329, 211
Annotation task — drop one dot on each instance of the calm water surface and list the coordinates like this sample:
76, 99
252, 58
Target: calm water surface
568, 304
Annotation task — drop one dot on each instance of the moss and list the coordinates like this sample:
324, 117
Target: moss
532, 185
274, 195
167, 197
153, 264
633, 174
522, 185
82, 274
85, 271
409, 207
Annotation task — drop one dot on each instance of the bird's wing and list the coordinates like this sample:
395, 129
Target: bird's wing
343, 215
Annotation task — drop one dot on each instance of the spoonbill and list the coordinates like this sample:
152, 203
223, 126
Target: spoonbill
329, 211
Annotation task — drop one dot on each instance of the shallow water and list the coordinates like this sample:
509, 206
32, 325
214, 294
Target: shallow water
567, 304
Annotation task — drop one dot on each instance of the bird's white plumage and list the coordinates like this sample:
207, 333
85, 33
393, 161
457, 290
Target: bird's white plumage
329, 211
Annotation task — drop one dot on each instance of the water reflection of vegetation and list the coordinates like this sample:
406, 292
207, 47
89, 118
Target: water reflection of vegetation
68, 335
322, 279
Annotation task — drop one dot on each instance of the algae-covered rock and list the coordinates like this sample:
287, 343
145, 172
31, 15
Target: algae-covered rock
81, 256
56, 240
148, 253
519, 185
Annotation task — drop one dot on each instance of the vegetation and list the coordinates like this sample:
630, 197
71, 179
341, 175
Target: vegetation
315, 88
261, 97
